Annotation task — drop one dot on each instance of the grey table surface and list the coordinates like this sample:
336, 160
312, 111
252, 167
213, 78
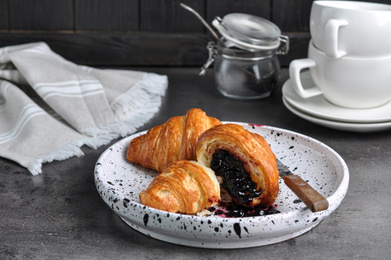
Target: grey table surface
60, 215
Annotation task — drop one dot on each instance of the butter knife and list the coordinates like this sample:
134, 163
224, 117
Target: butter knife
311, 198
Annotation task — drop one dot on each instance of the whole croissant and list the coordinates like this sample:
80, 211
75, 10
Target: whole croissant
244, 161
169, 142
184, 187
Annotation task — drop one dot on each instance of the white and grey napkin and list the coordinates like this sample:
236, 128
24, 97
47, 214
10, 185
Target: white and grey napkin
50, 107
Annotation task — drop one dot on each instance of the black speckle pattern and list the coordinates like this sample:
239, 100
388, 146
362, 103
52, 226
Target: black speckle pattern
238, 230
119, 183
145, 219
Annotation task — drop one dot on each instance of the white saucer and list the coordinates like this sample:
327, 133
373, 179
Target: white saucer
344, 126
318, 106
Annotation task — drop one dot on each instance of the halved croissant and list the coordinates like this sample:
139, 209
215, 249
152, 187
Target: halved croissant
172, 141
245, 162
184, 187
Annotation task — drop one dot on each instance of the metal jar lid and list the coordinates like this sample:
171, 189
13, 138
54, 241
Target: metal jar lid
251, 32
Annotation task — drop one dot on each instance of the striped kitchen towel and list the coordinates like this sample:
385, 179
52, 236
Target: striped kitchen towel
50, 107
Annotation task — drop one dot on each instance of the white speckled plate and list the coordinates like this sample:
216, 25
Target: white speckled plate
120, 182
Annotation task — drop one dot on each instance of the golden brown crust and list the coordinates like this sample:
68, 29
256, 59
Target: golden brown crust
184, 187
252, 149
169, 142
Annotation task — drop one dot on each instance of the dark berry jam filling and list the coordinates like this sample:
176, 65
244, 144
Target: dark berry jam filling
236, 181
230, 210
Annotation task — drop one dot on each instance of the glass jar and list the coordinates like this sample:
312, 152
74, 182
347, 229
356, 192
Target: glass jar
243, 74
246, 63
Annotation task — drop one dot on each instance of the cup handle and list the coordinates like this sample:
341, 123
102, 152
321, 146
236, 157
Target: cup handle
331, 38
295, 67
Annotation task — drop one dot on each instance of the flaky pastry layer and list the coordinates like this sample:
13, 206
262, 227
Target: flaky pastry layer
184, 187
172, 141
251, 149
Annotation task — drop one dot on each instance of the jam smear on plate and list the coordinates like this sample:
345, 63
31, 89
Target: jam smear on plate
232, 210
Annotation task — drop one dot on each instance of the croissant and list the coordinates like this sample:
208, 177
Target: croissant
184, 187
169, 142
243, 160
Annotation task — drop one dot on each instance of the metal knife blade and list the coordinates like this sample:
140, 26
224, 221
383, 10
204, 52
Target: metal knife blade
311, 198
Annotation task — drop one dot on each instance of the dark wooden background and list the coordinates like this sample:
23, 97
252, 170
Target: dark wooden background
141, 32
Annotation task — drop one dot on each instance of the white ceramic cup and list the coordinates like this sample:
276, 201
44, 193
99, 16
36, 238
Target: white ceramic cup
351, 28
350, 82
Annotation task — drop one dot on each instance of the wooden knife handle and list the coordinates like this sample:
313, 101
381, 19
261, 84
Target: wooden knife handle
313, 199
